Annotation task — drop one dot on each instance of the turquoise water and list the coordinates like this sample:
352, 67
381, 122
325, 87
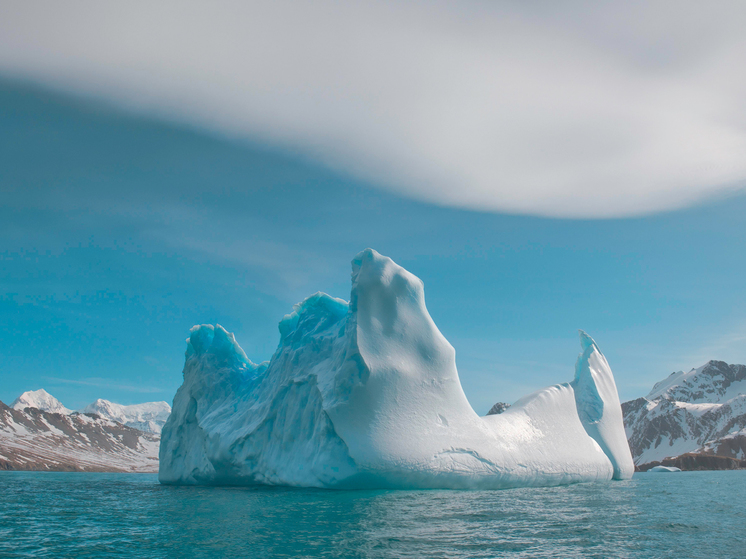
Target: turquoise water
691, 514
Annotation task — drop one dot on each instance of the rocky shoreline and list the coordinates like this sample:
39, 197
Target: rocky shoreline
693, 462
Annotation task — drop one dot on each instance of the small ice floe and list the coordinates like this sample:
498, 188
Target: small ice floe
664, 469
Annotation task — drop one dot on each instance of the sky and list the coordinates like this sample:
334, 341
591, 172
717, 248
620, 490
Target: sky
541, 169
572, 109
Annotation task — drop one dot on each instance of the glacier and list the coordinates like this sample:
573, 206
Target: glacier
366, 394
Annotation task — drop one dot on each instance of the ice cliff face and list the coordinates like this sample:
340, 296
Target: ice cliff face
702, 411
367, 394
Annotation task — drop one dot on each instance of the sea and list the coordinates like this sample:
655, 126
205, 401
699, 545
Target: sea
81, 515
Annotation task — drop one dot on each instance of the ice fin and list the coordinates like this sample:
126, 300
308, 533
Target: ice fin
585, 340
598, 406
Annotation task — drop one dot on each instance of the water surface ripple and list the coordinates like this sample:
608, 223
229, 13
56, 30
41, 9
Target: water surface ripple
691, 514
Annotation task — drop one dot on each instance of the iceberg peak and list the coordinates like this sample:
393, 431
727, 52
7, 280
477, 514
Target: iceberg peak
585, 340
216, 341
312, 313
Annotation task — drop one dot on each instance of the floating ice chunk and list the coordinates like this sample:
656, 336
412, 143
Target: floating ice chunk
367, 394
664, 469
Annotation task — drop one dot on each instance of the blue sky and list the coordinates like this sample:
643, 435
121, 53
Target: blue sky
120, 231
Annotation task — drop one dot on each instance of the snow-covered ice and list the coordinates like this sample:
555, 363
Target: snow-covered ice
367, 394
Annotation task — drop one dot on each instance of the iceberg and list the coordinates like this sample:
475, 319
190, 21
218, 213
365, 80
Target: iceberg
366, 394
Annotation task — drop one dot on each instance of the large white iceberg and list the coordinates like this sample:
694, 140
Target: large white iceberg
367, 394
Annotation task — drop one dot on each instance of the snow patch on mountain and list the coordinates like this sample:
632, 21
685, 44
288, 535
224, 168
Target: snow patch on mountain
367, 394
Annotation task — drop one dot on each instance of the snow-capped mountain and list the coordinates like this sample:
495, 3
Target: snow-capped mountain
713, 382
32, 439
37, 432
149, 417
702, 411
41, 400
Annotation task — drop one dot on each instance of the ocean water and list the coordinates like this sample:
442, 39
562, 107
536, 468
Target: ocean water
689, 514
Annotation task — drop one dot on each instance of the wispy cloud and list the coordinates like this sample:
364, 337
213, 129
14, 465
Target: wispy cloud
105, 383
567, 109
728, 346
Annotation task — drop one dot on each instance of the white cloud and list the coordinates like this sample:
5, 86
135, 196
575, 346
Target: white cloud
584, 110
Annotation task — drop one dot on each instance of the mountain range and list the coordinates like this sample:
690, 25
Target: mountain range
37, 432
695, 419
148, 417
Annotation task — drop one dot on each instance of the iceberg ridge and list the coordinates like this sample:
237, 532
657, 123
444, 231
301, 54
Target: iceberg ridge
367, 394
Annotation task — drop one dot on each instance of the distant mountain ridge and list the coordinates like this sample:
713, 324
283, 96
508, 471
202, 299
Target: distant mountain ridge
37, 432
713, 382
148, 417
33, 439
699, 412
